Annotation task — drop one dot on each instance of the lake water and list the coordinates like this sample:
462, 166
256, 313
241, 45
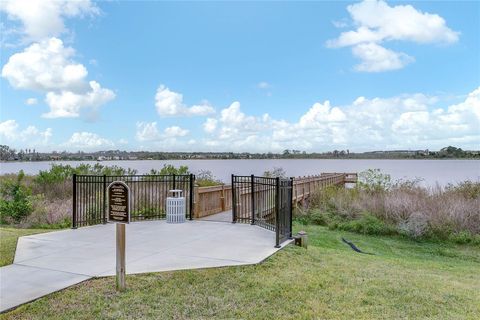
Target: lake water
431, 171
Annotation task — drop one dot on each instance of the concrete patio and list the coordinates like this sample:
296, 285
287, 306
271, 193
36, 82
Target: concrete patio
49, 262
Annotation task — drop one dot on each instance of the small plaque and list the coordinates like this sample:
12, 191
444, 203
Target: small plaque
118, 202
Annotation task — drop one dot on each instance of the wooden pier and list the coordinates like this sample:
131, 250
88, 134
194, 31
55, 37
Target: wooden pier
216, 199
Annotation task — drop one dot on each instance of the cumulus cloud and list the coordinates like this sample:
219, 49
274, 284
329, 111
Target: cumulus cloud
45, 18
88, 141
375, 58
175, 131
48, 67
67, 104
377, 22
10, 133
148, 131
407, 121
170, 103
210, 125
45, 66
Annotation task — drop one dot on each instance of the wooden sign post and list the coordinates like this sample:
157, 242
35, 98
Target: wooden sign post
119, 213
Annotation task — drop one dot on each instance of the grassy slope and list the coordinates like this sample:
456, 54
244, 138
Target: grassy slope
8, 242
404, 279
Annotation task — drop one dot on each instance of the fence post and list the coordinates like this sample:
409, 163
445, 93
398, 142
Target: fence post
234, 202
291, 208
173, 182
252, 187
74, 201
192, 179
222, 198
104, 211
277, 212
196, 198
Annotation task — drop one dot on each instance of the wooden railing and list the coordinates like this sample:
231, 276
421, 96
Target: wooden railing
216, 199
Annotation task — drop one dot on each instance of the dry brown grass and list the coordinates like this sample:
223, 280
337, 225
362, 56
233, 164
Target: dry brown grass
414, 210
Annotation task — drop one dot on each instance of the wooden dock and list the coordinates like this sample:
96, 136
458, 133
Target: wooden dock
216, 199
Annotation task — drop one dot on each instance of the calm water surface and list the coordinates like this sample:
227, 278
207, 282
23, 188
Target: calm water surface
431, 171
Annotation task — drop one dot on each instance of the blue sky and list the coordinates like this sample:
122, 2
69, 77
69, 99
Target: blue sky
240, 76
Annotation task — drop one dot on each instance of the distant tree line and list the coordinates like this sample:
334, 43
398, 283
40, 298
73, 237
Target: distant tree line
450, 152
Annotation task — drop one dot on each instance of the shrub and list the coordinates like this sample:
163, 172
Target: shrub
276, 172
448, 213
462, 237
15, 203
49, 213
205, 178
368, 224
170, 169
373, 180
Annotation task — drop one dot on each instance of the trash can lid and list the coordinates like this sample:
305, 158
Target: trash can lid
176, 192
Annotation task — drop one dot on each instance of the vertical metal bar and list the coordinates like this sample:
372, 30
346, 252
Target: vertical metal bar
74, 201
277, 212
252, 190
234, 201
192, 178
290, 200
104, 205
174, 182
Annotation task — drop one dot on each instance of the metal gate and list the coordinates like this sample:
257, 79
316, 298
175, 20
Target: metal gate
148, 196
263, 201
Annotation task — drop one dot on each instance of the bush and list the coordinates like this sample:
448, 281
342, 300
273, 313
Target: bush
276, 172
170, 169
15, 203
373, 180
49, 213
462, 237
368, 224
403, 207
205, 178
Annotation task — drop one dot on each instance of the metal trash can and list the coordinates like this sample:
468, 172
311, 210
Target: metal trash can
175, 207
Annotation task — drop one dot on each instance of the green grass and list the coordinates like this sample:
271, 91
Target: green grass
403, 280
8, 242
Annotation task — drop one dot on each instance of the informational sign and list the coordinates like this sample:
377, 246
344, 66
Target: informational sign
119, 212
118, 202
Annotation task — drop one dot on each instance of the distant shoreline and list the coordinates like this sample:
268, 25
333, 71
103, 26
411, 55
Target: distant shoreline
249, 159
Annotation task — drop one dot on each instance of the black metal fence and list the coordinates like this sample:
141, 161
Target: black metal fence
148, 195
266, 202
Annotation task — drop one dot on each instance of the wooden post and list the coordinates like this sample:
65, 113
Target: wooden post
222, 199
120, 280
196, 199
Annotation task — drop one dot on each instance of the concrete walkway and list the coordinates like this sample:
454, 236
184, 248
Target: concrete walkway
45, 263
225, 216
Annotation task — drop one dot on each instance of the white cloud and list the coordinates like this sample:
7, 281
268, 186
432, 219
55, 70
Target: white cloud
210, 125
319, 114
170, 103
175, 131
88, 140
30, 136
375, 58
264, 85
48, 67
45, 18
148, 131
45, 66
31, 101
67, 104
407, 121
377, 22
